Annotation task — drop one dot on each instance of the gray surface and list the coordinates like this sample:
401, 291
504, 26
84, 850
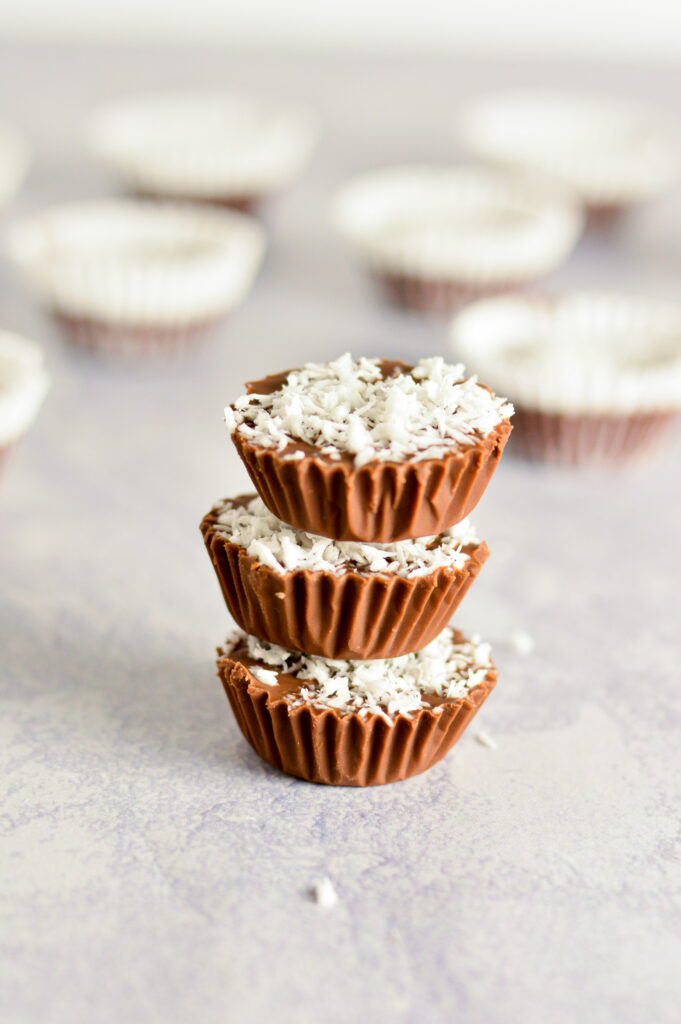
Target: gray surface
152, 868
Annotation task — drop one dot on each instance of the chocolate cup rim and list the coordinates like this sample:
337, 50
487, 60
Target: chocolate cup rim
485, 687
460, 461
208, 521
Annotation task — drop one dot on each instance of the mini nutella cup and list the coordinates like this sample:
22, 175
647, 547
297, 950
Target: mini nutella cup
611, 153
370, 450
337, 599
595, 377
23, 386
205, 147
436, 237
355, 723
136, 278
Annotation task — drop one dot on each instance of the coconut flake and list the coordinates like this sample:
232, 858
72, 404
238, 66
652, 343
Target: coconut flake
387, 687
324, 894
287, 549
520, 642
346, 406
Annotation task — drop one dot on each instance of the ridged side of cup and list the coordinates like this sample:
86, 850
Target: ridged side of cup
320, 745
589, 439
380, 502
146, 341
352, 615
429, 295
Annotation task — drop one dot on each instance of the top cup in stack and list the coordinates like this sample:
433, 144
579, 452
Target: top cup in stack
345, 568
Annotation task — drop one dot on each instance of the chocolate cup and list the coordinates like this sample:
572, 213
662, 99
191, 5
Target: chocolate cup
110, 338
588, 440
321, 745
430, 295
379, 502
353, 615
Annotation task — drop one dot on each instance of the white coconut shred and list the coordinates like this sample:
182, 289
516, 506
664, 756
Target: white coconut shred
387, 687
346, 406
286, 549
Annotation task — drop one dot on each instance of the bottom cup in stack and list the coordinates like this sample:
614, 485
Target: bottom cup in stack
355, 723
383, 690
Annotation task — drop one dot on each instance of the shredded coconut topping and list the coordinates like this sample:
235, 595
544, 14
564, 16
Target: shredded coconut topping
347, 406
285, 549
388, 687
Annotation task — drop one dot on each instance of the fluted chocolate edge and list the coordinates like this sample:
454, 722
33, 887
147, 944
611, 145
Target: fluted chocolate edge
379, 502
321, 745
143, 341
588, 440
430, 295
353, 615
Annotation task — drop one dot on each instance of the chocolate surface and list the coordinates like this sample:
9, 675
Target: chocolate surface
322, 745
116, 339
354, 615
378, 502
428, 295
589, 440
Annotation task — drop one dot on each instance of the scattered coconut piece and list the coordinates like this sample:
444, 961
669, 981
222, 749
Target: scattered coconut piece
485, 740
324, 894
520, 641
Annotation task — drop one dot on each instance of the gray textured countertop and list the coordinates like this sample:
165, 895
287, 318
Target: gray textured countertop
153, 869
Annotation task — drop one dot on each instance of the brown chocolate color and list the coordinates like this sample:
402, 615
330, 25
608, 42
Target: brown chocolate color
244, 203
321, 745
106, 337
354, 615
429, 295
379, 502
588, 440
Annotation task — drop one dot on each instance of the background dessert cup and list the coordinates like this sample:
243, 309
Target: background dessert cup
612, 153
133, 277
206, 147
336, 599
23, 386
319, 721
411, 461
436, 237
596, 377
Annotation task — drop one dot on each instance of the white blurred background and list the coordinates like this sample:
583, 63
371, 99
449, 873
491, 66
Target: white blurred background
608, 28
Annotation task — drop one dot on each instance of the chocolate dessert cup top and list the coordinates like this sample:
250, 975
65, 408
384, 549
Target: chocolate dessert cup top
248, 523
368, 449
447, 669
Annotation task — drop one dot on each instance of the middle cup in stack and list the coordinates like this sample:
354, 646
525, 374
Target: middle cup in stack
356, 548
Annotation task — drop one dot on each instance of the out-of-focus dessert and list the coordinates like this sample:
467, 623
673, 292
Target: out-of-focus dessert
206, 147
435, 237
133, 277
612, 153
23, 385
595, 377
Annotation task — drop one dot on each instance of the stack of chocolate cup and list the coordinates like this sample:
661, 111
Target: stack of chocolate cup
362, 614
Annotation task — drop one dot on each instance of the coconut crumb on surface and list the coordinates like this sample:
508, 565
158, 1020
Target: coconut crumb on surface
347, 406
520, 641
387, 687
485, 740
324, 894
284, 548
